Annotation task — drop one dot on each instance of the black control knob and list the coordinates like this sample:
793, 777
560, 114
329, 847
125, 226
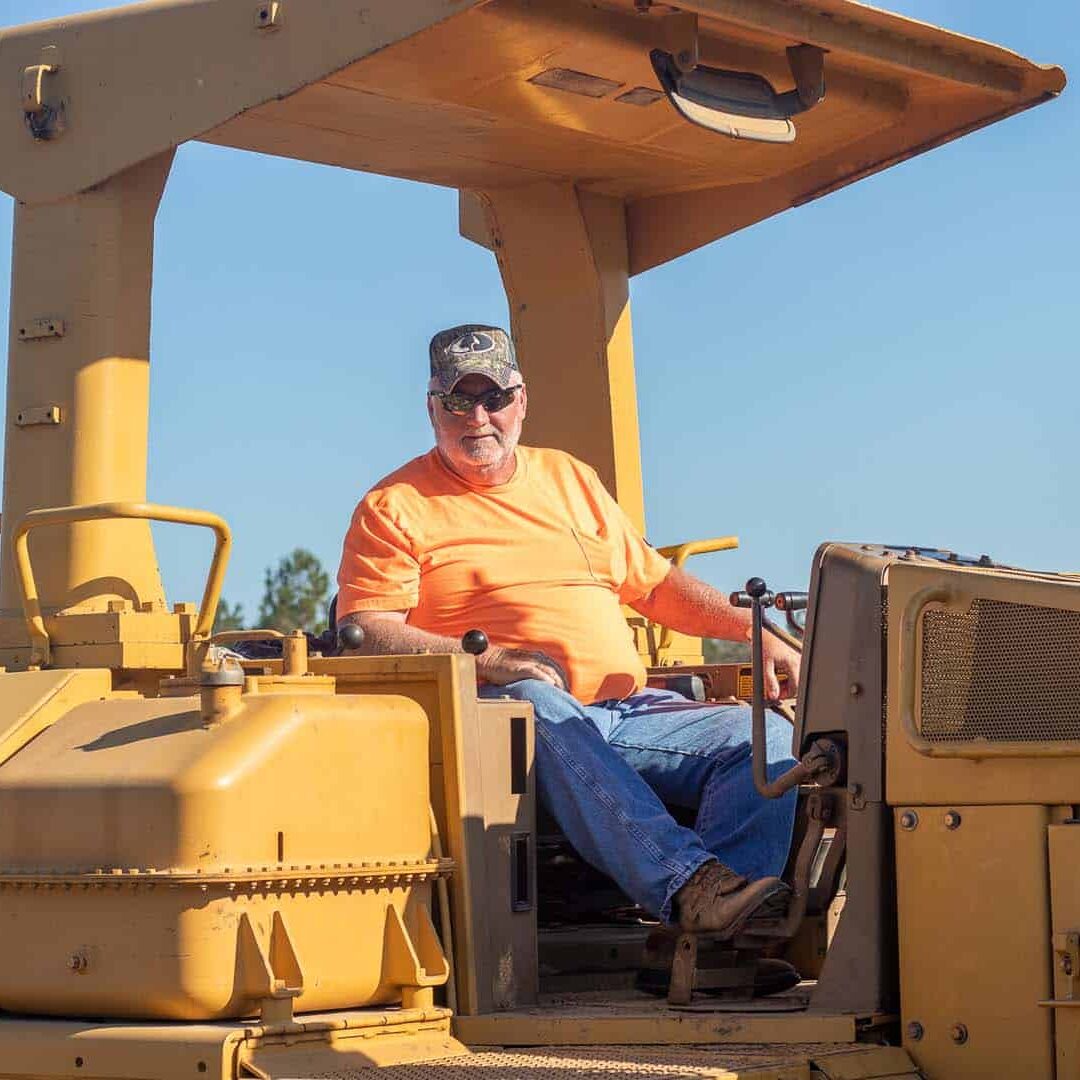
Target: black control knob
756, 587
475, 642
350, 636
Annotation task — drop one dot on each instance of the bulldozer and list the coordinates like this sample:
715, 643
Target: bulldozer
296, 862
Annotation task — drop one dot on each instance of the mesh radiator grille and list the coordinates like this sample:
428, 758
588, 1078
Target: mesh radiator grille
1001, 672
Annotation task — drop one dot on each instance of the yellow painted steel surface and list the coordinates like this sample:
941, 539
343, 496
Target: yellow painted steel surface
86, 262
974, 919
32, 700
1037, 770
147, 857
347, 1046
615, 188
1065, 931
341, 1044
565, 266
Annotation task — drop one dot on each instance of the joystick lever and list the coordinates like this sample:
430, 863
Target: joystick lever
816, 763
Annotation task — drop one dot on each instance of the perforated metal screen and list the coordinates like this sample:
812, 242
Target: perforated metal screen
1001, 672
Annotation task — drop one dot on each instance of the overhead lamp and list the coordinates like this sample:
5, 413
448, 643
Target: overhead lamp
740, 103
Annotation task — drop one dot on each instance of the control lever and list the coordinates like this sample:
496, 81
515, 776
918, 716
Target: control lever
350, 636
823, 763
789, 603
474, 642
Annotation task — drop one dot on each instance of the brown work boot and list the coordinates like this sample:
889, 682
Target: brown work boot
718, 901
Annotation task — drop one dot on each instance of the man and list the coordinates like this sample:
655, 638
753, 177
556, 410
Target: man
527, 545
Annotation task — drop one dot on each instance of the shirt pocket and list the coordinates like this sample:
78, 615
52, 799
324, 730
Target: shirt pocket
601, 560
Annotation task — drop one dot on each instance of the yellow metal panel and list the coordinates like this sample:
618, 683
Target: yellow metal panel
66, 1050
133, 656
146, 855
343, 1053
32, 700
146, 77
445, 688
974, 927
1065, 911
914, 777
869, 1064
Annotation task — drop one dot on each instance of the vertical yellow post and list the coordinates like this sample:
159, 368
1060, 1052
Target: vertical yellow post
563, 258
79, 355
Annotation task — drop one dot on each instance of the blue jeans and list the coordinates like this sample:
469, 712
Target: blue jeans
604, 772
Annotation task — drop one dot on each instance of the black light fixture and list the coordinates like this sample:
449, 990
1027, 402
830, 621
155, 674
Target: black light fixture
740, 103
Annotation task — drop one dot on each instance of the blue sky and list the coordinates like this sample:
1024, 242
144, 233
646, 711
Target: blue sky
920, 387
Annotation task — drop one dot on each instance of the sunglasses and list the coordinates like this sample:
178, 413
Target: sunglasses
460, 404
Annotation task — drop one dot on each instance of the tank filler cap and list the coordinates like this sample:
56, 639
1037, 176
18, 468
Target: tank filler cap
221, 668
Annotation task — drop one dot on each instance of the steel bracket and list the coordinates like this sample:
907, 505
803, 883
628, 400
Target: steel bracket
269, 15
43, 414
43, 118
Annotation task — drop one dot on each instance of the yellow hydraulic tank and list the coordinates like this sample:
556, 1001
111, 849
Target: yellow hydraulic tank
160, 859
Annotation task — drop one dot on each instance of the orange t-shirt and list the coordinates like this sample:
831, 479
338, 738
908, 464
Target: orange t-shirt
541, 562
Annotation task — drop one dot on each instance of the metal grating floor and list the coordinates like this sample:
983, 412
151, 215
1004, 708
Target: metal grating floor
609, 1062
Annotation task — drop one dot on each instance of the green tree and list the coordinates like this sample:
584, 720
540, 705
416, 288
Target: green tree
228, 618
716, 651
295, 594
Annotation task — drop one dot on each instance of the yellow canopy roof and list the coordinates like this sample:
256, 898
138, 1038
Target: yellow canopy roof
480, 95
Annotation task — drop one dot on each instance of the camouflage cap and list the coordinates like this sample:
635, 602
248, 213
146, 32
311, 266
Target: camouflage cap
472, 350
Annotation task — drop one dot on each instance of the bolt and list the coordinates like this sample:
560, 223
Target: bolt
76, 962
1066, 965
952, 819
855, 689
909, 820
959, 1034
915, 1031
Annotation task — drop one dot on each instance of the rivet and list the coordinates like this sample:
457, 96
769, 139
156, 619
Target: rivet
952, 819
959, 1034
915, 1031
909, 820
855, 689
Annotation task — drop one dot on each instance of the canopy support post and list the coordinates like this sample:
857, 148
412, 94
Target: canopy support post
564, 263
78, 392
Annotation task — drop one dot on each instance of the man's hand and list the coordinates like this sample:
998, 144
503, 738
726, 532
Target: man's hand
501, 666
779, 658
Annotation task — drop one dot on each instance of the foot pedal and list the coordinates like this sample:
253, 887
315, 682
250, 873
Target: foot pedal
683, 969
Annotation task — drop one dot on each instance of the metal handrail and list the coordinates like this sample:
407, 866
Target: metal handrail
679, 553
41, 653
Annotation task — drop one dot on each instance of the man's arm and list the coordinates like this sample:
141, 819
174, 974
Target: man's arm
388, 632
688, 605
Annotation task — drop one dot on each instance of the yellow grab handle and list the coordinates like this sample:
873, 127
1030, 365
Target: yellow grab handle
678, 554
66, 515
